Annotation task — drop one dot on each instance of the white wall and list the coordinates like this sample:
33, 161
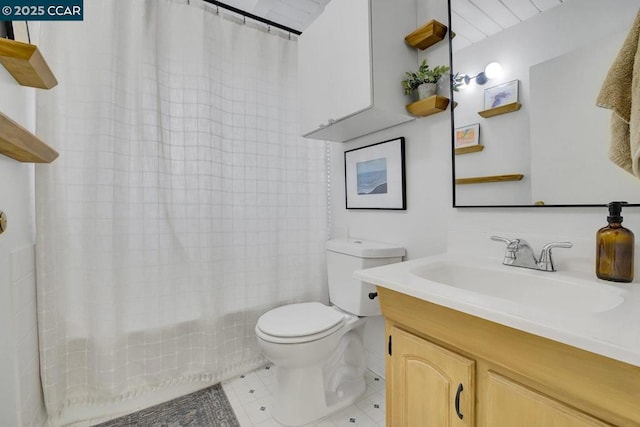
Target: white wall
18, 346
430, 225
470, 229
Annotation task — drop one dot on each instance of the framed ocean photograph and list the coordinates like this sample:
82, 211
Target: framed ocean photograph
375, 177
468, 135
497, 96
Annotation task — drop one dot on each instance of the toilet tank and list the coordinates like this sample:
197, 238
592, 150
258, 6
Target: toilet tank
344, 256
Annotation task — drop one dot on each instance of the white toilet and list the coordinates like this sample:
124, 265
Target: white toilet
317, 349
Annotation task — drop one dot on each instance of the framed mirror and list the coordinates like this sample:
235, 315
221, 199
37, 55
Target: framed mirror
528, 132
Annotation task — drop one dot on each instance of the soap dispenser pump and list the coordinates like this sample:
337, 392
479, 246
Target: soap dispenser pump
614, 248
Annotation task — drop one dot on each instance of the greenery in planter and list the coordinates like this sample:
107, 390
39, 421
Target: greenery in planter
423, 75
456, 81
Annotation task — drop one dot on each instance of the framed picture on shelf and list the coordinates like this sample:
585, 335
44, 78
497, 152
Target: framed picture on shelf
375, 177
497, 96
467, 135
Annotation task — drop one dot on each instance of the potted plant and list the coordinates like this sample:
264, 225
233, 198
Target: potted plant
456, 81
424, 80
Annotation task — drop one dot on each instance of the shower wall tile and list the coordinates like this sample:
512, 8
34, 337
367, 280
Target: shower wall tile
23, 302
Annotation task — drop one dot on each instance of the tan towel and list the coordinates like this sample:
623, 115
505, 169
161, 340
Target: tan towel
620, 93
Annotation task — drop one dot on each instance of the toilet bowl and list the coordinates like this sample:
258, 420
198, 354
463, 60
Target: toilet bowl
319, 359
317, 350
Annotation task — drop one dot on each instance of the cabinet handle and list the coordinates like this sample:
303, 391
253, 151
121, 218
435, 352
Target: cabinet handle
458, 413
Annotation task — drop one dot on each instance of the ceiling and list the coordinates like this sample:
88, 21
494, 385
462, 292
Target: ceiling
296, 14
474, 20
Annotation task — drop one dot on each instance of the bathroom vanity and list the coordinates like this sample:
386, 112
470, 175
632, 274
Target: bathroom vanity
460, 355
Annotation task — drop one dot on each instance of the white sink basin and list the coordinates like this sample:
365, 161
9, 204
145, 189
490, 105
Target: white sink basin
532, 290
568, 306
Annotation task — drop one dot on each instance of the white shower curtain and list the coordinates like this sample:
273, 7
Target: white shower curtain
183, 205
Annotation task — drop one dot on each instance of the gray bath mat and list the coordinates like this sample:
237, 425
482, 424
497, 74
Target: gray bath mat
205, 408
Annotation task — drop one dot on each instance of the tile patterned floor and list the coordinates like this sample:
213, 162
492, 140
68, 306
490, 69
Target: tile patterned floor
251, 396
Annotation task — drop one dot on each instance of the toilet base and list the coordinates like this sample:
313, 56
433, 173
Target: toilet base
306, 394
301, 398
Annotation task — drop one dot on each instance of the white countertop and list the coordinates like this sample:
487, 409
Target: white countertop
613, 333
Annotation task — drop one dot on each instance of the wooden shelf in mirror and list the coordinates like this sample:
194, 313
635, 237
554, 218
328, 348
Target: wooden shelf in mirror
427, 35
503, 109
469, 149
492, 178
20, 144
26, 64
428, 106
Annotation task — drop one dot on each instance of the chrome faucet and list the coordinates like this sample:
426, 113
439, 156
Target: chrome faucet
520, 254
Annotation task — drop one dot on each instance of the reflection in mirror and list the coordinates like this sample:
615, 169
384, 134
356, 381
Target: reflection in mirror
546, 143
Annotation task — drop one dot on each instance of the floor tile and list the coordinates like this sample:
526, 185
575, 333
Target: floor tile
375, 383
373, 406
352, 417
323, 423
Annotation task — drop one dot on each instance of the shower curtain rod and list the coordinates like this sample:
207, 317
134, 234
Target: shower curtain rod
254, 17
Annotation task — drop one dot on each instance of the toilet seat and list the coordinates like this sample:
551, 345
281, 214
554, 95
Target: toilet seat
298, 323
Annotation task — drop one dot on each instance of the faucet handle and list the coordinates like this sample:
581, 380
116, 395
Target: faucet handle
552, 245
501, 239
512, 244
512, 247
546, 262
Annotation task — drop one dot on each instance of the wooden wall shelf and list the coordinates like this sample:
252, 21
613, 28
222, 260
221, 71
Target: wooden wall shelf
469, 149
20, 144
493, 178
26, 64
503, 109
427, 35
428, 106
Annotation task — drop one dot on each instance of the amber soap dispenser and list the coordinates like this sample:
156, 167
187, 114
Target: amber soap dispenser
614, 248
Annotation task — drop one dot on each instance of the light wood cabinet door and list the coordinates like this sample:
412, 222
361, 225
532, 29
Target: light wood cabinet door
511, 404
429, 386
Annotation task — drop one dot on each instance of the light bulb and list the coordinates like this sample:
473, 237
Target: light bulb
493, 70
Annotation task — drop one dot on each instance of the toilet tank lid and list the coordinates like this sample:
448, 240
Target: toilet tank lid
364, 248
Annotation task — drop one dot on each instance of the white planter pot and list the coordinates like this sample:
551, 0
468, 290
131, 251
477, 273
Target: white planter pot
426, 90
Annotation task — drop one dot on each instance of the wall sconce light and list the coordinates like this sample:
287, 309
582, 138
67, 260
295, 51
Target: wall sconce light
492, 70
